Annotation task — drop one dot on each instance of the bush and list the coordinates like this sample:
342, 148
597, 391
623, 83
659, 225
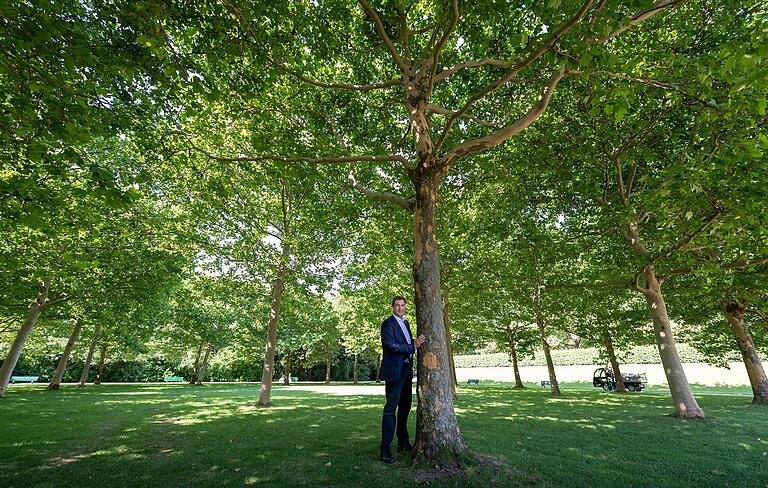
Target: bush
584, 356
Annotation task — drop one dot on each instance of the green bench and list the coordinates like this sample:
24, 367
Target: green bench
473, 381
294, 379
544, 383
173, 379
24, 379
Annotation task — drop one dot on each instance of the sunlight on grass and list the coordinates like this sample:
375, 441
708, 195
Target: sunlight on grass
217, 436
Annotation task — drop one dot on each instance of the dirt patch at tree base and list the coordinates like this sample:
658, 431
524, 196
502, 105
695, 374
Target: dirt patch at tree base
482, 471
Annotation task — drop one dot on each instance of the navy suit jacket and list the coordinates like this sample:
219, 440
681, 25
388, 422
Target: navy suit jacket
396, 349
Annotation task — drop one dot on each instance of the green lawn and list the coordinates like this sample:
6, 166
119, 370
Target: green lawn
180, 435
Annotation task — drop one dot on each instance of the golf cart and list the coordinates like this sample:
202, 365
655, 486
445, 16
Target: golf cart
603, 378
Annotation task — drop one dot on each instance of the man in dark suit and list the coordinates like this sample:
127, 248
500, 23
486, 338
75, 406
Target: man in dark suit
397, 372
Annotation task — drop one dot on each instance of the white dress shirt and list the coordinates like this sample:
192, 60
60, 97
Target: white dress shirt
403, 328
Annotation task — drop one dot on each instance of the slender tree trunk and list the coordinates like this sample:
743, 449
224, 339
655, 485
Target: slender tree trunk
58, 375
438, 439
685, 403
449, 344
734, 314
554, 387
102, 358
287, 379
378, 368
619, 380
196, 366
682, 396
269, 348
6, 371
89, 357
356, 370
513, 354
204, 366
328, 369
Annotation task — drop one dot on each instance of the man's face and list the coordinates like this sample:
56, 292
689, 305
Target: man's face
399, 308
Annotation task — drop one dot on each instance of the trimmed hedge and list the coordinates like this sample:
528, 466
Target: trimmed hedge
584, 356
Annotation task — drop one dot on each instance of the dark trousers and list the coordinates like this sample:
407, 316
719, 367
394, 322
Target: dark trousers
399, 396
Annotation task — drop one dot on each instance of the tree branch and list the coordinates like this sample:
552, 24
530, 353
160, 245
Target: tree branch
606, 284
282, 159
638, 18
444, 111
383, 35
510, 130
448, 72
553, 40
736, 265
344, 86
686, 238
443, 40
53, 303
377, 195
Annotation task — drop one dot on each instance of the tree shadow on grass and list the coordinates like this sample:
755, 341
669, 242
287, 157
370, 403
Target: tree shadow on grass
215, 435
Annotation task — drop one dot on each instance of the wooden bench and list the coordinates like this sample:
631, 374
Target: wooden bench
544, 383
24, 379
473, 381
173, 379
294, 379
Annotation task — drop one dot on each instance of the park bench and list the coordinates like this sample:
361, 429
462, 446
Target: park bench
473, 381
24, 379
544, 383
173, 379
294, 379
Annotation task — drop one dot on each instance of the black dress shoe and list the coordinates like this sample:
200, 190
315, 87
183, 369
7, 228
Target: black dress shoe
406, 446
387, 458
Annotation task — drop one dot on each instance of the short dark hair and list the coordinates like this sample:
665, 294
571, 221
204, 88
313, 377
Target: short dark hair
396, 299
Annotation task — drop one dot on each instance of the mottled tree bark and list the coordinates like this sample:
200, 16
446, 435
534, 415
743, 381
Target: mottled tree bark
554, 387
328, 369
102, 359
618, 379
203, 366
89, 357
686, 405
438, 438
269, 348
734, 314
58, 375
682, 396
513, 353
6, 371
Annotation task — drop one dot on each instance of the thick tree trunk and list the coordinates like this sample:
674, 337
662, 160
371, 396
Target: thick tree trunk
378, 368
6, 371
438, 439
269, 348
356, 370
620, 387
513, 354
204, 366
328, 369
102, 358
89, 357
734, 314
554, 387
196, 366
58, 375
685, 403
449, 345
